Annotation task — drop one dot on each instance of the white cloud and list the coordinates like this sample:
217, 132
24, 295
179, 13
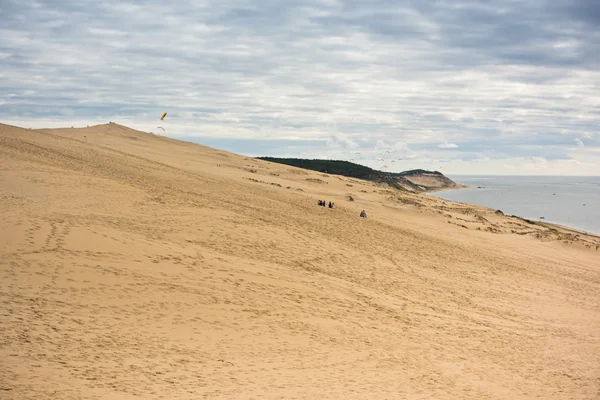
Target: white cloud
381, 145
579, 142
448, 146
340, 141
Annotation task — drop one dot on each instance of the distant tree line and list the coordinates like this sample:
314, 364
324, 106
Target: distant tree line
345, 168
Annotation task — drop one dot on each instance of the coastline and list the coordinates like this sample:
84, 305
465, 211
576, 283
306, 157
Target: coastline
552, 225
544, 223
459, 186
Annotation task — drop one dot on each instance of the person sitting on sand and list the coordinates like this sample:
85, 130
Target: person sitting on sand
320, 202
323, 203
330, 205
363, 214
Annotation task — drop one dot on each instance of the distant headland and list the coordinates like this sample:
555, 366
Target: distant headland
414, 181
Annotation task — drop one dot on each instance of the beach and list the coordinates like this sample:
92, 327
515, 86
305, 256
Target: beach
135, 266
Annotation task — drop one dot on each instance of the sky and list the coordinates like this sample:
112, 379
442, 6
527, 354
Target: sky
459, 86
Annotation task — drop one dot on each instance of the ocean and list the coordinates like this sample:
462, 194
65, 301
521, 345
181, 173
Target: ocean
565, 200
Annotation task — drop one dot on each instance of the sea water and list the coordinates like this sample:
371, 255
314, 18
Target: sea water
565, 200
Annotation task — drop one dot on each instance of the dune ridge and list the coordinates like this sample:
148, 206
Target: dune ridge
135, 266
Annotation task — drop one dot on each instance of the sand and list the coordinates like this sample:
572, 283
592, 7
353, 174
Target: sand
134, 266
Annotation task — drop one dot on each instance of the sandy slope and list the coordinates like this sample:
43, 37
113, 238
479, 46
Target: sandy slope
134, 266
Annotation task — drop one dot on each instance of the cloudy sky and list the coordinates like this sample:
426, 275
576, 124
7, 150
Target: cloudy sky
460, 86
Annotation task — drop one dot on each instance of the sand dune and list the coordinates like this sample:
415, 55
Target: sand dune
134, 266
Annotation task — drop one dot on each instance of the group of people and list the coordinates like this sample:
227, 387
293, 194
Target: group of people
324, 203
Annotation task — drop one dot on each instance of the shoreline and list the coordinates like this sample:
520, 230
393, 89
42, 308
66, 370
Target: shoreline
552, 225
459, 186
537, 221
